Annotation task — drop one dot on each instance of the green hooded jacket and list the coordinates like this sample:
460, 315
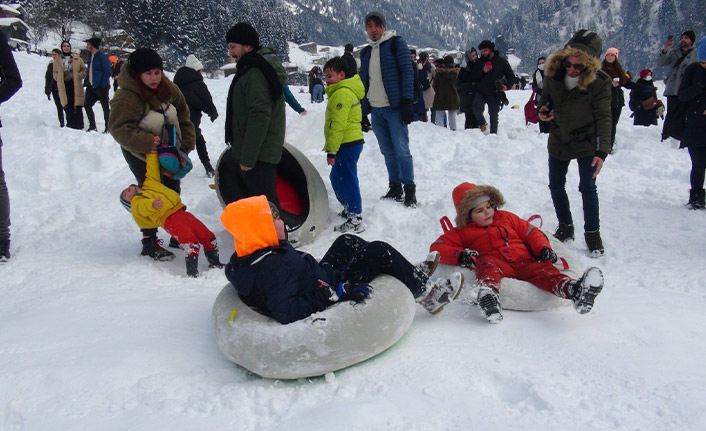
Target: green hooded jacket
343, 113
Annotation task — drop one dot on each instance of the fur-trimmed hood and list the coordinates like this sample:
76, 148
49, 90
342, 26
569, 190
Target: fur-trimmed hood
466, 193
556, 70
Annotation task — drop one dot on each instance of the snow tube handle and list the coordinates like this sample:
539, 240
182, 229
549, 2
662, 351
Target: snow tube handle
446, 225
536, 217
564, 263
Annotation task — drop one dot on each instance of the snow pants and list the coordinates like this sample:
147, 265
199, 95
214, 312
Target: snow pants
344, 179
544, 275
190, 232
359, 262
393, 139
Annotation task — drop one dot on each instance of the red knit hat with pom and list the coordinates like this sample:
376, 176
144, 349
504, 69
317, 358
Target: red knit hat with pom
644, 73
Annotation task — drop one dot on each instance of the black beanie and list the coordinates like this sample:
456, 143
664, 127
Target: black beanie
348, 47
487, 44
244, 34
143, 59
96, 42
691, 35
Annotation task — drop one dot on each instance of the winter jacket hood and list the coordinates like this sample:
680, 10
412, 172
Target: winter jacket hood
343, 113
555, 68
465, 194
445, 92
250, 222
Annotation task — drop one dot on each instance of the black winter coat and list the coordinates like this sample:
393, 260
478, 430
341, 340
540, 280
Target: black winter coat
466, 88
49, 83
643, 90
692, 91
196, 93
281, 282
10, 79
487, 81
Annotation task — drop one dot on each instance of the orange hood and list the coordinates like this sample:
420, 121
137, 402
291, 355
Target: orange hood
250, 222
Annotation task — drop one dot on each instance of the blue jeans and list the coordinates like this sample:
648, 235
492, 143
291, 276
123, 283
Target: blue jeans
4, 204
344, 179
587, 187
317, 93
393, 138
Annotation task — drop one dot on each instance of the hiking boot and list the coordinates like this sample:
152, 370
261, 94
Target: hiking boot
483, 127
429, 265
394, 192
594, 243
174, 243
696, 200
564, 232
441, 292
213, 260
192, 266
343, 213
583, 291
4, 250
152, 247
410, 200
352, 224
489, 304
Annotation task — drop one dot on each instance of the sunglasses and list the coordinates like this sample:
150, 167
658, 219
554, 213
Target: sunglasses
578, 66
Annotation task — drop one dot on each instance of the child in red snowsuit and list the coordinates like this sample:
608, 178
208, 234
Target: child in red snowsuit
154, 204
501, 244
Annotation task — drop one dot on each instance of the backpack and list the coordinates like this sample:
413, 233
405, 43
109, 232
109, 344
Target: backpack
415, 73
175, 163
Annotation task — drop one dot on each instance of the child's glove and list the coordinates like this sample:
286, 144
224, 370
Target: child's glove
547, 254
467, 258
348, 292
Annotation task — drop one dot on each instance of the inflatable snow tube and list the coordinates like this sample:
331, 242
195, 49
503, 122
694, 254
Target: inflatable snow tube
340, 336
522, 295
301, 191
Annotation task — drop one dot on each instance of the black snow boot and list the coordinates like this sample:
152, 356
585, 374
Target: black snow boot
394, 193
594, 243
410, 198
696, 200
213, 260
564, 232
174, 243
4, 250
152, 247
192, 266
583, 291
210, 172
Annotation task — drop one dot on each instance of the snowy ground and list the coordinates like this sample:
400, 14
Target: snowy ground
92, 336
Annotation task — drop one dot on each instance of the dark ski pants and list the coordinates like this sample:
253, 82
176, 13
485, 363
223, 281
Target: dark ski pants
698, 167
234, 183
4, 204
344, 179
359, 262
190, 232
93, 95
587, 187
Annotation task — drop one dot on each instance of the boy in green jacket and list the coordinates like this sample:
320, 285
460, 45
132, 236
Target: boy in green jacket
344, 140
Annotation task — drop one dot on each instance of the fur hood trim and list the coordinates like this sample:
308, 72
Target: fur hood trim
556, 70
473, 192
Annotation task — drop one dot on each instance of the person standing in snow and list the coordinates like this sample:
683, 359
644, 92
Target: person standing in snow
50, 88
198, 98
351, 64
576, 100
678, 58
10, 82
255, 118
644, 91
692, 91
426, 75
612, 67
538, 86
97, 83
388, 77
316, 85
69, 72
467, 88
500, 244
289, 285
446, 99
147, 98
494, 76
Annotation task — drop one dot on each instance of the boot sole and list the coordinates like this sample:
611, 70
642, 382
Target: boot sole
591, 285
458, 292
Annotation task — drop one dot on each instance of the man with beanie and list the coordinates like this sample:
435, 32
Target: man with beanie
97, 83
351, 64
388, 77
255, 118
576, 101
190, 82
678, 58
492, 75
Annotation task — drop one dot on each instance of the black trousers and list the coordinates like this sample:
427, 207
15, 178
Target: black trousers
698, 167
94, 95
201, 149
234, 183
359, 262
59, 108
74, 114
615, 114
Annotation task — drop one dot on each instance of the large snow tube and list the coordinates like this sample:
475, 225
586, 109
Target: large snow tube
301, 191
522, 295
342, 335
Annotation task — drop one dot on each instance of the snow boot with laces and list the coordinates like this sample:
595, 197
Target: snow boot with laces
152, 247
564, 232
583, 291
394, 192
441, 292
489, 304
353, 224
429, 265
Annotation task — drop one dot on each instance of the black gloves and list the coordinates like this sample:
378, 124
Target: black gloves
467, 258
213, 117
547, 254
406, 111
348, 292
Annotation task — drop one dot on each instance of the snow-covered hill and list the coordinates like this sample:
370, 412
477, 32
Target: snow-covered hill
94, 337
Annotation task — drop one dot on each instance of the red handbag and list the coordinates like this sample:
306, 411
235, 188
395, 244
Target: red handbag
531, 110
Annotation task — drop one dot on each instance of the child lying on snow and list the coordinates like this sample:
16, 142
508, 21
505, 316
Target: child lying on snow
501, 244
154, 205
289, 285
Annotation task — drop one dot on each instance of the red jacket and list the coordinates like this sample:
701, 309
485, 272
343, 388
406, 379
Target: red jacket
508, 236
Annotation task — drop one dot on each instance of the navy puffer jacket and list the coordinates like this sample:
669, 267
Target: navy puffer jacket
397, 73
